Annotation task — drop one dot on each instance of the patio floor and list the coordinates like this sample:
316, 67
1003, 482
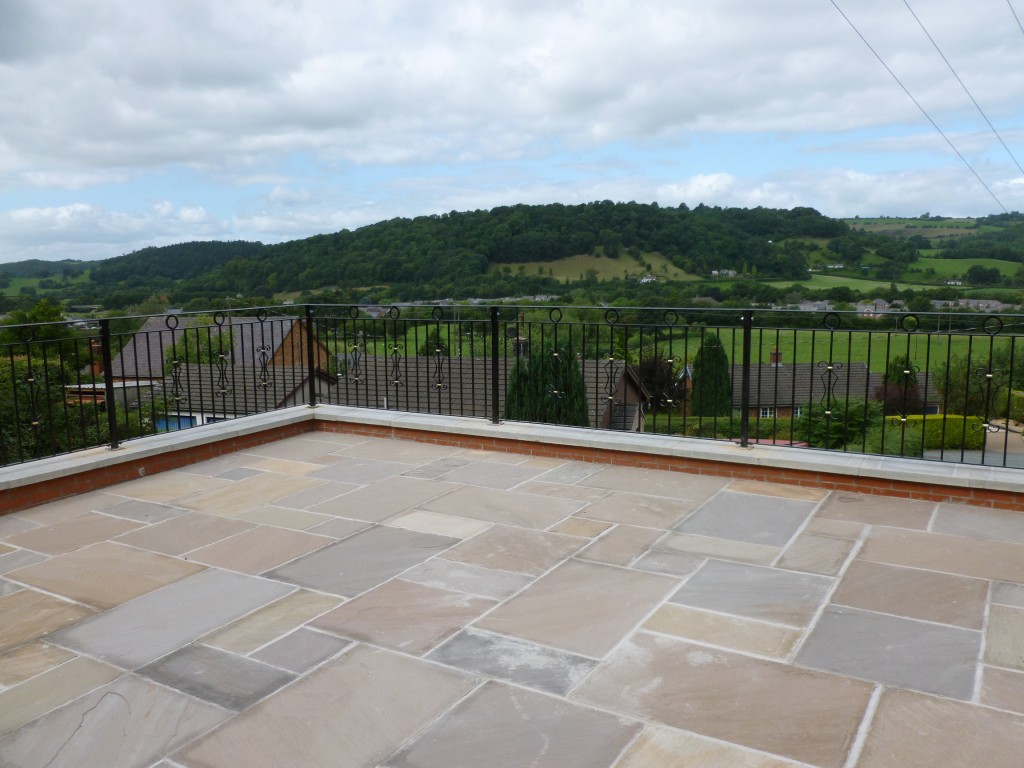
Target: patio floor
334, 600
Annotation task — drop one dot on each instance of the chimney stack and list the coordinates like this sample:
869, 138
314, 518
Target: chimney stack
96, 357
776, 358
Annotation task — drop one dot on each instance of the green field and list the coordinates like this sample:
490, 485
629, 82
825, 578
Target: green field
17, 283
946, 268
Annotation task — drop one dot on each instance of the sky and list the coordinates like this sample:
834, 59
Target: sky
127, 124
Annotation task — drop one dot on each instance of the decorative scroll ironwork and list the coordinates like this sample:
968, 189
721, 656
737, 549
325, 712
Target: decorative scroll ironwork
354, 363
33, 400
905, 383
440, 354
829, 377
263, 358
176, 388
395, 366
557, 384
611, 370
223, 382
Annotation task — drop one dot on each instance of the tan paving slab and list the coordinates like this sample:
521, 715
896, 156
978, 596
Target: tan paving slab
622, 545
913, 730
171, 486
466, 577
877, 510
514, 728
269, 623
559, 491
29, 660
350, 693
660, 747
259, 549
641, 510
814, 553
515, 549
806, 716
339, 527
585, 608
763, 520
491, 475
404, 451
798, 492
950, 554
183, 534
655, 482
72, 534
27, 615
143, 511
723, 549
60, 510
1002, 688
19, 558
436, 522
581, 526
305, 448
1004, 646
51, 689
916, 594
507, 508
403, 615
296, 519
980, 522
315, 495
353, 468
301, 650
668, 561
11, 524
378, 502
242, 495
285, 466
843, 529
105, 574
129, 723
730, 632
4, 549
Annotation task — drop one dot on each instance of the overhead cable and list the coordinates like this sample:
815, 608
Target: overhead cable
1016, 17
921, 108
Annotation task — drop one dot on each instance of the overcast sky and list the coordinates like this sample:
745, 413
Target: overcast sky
127, 124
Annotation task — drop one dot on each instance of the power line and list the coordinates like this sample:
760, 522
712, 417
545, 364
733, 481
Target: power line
922, 109
957, 76
1016, 17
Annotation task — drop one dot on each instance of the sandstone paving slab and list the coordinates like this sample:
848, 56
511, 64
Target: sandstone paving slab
362, 561
13, 523
508, 507
285, 466
1004, 637
301, 650
183, 534
997, 560
406, 451
497, 457
242, 495
490, 475
1003, 689
137, 632
28, 614
621, 545
581, 526
218, 465
361, 471
814, 553
515, 549
894, 651
170, 486
280, 517
639, 509
668, 561
655, 482
129, 723
106, 574
517, 661
50, 690
318, 494
221, 678
437, 467
60, 510
914, 593
8, 587
74, 533
722, 549
305, 448
505, 727
1008, 594
379, 501
355, 710
466, 577
661, 747
143, 511
238, 473
560, 491
436, 522
339, 527
781, 490
767, 520
979, 522
912, 730
29, 660
259, 549
19, 558
271, 622
403, 615
571, 472
798, 714
584, 608
754, 592
729, 632
877, 510
843, 529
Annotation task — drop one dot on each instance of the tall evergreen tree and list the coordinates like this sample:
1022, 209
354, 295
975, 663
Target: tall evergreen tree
547, 385
712, 384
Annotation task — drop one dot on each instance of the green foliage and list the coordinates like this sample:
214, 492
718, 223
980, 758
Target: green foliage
432, 345
201, 345
712, 384
547, 386
45, 312
899, 391
662, 377
844, 423
969, 385
1017, 405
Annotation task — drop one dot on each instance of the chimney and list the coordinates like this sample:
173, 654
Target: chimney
96, 358
776, 358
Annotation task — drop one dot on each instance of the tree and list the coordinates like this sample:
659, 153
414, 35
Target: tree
546, 385
900, 391
712, 383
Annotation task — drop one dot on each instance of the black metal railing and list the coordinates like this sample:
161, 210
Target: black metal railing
946, 387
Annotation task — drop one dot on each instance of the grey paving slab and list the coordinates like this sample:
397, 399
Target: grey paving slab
466, 577
363, 561
516, 549
437, 468
379, 501
753, 519
140, 631
894, 651
144, 511
1008, 594
301, 650
508, 507
517, 661
656, 482
129, 723
361, 471
19, 558
221, 678
571, 472
768, 594
514, 728
238, 473
979, 522
491, 475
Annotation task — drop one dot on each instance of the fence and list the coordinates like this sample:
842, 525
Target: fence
944, 387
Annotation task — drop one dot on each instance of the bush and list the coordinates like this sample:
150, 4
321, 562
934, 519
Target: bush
549, 388
1017, 405
949, 432
845, 425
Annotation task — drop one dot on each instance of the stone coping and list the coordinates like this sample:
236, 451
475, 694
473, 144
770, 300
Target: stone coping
802, 460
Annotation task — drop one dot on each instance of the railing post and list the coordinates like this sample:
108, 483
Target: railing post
748, 325
310, 357
109, 398
495, 411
